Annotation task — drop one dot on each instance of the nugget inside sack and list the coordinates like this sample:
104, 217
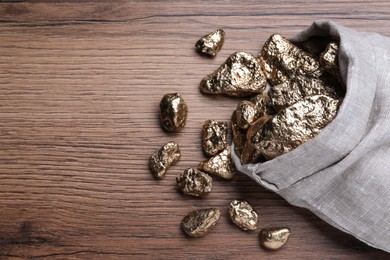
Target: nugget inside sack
341, 174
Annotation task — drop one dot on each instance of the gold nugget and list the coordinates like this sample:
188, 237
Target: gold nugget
329, 58
274, 238
316, 44
173, 112
295, 89
246, 114
199, 222
282, 60
238, 134
251, 153
263, 105
220, 165
240, 75
294, 125
243, 215
211, 43
214, 137
194, 182
161, 160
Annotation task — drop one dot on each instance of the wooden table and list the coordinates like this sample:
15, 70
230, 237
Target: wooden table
80, 85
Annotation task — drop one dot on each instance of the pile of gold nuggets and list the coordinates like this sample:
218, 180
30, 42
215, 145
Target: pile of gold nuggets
292, 92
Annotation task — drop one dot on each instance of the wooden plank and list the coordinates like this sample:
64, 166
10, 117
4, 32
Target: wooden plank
80, 85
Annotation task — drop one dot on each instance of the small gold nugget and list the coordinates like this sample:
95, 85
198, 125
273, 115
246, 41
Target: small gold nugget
315, 45
220, 165
211, 43
246, 114
283, 60
199, 222
161, 160
295, 89
251, 153
238, 134
263, 105
240, 75
274, 238
329, 58
214, 137
173, 112
243, 215
194, 182
294, 125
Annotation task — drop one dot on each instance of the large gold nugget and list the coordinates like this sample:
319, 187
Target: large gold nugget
274, 238
220, 165
173, 112
294, 125
199, 222
243, 215
214, 136
238, 134
194, 182
211, 43
161, 160
250, 153
282, 60
294, 90
240, 75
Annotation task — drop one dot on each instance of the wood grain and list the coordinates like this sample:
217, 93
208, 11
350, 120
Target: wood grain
80, 84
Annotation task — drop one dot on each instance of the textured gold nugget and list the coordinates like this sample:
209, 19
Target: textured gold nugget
240, 75
251, 153
295, 89
211, 43
194, 182
243, 215
214, 137
274, 238
173, 112
246, 114
238, 134
315, 45
263, 105
295, 125
161, 160
283, 60
329, 58
220, 165
199, 222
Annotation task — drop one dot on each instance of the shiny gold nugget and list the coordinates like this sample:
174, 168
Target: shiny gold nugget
161, 160
240, 75
295, 125
214, 137
329, 58
243, 215
211, 43
282, 60
294, 90
199, 222
173, 112
238, 134
246, 114
274, 238
251, 153
315, 45
220, 165
263, 105
194, 182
